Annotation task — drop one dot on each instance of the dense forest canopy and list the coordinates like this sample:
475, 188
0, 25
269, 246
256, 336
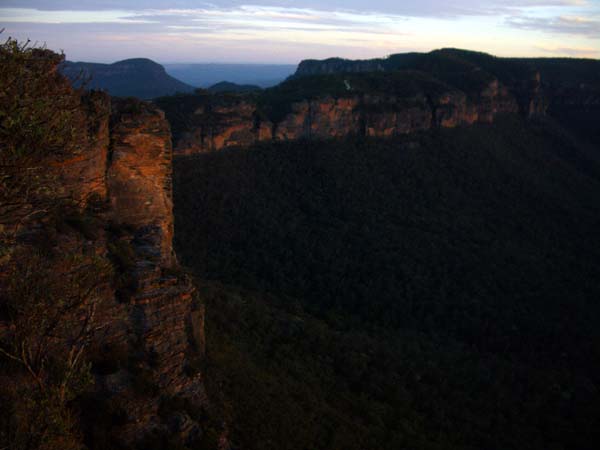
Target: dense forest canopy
434, 291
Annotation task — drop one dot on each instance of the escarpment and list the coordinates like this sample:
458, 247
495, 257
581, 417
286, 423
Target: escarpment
376, 104
401, 94
103, 235
354, 112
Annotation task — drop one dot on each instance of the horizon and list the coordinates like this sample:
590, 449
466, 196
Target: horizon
254, 63
282, 32
182, 63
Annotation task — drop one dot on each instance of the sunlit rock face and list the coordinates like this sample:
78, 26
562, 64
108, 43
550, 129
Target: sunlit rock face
155, 318
139, 175
495, 98
320, 119
83, 171
401, 94
226, 123
332, 117
148, 321
326, 117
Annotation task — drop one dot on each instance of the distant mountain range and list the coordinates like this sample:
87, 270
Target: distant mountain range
226, 86
458, 66
205, 75
146, 79
140, 77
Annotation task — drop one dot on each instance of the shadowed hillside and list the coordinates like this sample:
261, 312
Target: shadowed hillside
435, 291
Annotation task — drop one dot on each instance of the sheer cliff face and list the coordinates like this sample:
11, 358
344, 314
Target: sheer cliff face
353, 113
138, 174
224, 124
149, 324
400, 94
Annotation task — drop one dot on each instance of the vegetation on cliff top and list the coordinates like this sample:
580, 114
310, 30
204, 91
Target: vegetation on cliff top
39, 117
276, 102
47, 296
475, 66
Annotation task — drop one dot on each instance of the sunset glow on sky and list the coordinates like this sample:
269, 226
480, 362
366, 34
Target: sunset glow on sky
280, 31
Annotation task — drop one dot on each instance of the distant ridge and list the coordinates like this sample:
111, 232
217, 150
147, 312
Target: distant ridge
401, 94
226, 86
447, 63
139, 77
204, 75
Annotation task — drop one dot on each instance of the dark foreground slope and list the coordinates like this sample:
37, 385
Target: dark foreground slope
437, 291
139, 77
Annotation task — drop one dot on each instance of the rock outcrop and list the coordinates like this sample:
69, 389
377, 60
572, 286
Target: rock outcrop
147, 338
139, 173
154, 318
83, 171
220, 122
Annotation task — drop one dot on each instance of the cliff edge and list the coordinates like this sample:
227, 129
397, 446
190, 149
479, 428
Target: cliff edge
398, 95
101, 331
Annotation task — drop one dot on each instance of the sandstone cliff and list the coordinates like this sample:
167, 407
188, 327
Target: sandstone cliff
143, 323
401, 94
154, 318
351, 109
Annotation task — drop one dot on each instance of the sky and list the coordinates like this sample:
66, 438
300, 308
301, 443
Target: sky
282, 31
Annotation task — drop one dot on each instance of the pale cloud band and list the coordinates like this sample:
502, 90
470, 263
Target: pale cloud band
275, 31
412, 8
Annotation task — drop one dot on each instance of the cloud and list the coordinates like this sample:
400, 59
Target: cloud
574, 25
349, 28
409, 8
580, 52
247, 18
22, 15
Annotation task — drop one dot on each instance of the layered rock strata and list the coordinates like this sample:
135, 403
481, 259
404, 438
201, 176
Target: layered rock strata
155, 317
148, 324
357, 114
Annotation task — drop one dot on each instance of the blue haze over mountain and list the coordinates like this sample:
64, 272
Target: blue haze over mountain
205, 75
138, 77
147, 79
